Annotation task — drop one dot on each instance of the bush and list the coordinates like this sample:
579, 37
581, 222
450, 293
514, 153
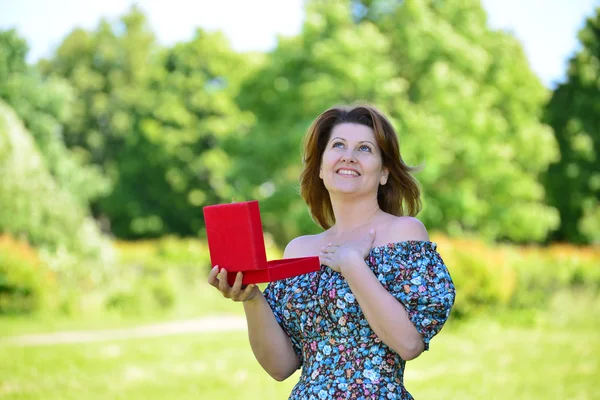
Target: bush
34, 206
26, 284
32, 202
545, 271
496, 276
482, 275
145, 287
156, 275
161, 275
167, 275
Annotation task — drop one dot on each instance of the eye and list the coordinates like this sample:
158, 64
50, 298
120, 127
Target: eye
364, 147
337, 144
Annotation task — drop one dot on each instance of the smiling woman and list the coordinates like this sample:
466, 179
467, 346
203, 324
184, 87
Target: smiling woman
351, 162
382, 291
361, 123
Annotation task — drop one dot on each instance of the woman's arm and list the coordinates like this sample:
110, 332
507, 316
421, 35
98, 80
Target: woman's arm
270, 344
386, 315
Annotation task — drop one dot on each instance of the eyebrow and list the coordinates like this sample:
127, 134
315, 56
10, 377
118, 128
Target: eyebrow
362, 141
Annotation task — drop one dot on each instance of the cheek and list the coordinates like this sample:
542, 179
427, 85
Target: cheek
328, 160
370, 163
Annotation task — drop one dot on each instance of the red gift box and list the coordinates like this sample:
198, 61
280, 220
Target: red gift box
236, 243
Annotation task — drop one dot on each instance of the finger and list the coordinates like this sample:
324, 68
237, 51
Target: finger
237, 286
247, 292
329, 249
223, 285
329, 245
212, 276
328, 253
324, 259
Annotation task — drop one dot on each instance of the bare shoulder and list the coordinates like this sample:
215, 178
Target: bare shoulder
401, 229
302, 246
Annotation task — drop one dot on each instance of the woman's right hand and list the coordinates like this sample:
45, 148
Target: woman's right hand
235, 292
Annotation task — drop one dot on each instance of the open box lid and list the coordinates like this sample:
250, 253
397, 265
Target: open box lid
235, 236
236, 243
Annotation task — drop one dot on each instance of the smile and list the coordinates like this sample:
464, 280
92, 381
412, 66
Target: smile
347, 172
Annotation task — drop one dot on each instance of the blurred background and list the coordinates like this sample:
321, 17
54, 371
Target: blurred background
120, 120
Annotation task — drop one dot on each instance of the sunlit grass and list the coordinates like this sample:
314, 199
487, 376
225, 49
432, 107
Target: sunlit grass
557, 356
488, 361
203, 301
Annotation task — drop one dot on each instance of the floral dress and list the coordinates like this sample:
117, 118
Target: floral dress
341, 356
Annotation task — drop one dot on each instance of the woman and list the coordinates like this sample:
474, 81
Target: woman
382, 291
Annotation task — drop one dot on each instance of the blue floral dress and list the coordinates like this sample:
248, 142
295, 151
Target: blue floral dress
342, 358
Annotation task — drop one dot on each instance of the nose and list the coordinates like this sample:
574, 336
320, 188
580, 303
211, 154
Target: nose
348, 157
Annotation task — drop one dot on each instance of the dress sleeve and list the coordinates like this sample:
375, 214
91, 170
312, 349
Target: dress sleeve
274, 293
416, 275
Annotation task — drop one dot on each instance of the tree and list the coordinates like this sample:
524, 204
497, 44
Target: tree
463, 98
44, 105
34, 206
332, 61
153, 119
573, 182
476, 120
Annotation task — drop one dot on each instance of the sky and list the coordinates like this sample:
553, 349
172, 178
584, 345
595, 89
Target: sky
547, 29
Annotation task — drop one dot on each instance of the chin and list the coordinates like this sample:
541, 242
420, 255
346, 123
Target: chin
344, 189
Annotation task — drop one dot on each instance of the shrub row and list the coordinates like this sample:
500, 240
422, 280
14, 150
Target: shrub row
524, 277
158, 275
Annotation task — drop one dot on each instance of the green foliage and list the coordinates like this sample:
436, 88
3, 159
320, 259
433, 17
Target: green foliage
483, 277
26, 284
149, 289
332, 61
472, 119
156, 276
153, 119
33, 206
573, 182
178, 128
492, 278
45, 105
174, 129
167, 276
463, 98
543, 272
479, 286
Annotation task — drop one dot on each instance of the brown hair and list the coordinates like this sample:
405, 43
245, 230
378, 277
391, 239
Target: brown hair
399, 196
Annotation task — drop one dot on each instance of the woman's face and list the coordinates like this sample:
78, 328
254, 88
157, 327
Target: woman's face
351, 162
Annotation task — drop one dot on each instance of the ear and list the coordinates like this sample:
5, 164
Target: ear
321, 172
384, 177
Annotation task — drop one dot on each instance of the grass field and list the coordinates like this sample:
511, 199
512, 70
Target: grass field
202, 302
555, 356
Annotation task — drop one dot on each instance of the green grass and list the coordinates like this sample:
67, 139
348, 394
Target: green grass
181, 367
203, 301
488, 361
557, 356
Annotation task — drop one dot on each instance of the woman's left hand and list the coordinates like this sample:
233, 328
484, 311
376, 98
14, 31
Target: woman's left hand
337, 256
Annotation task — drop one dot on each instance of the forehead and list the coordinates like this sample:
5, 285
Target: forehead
353, 132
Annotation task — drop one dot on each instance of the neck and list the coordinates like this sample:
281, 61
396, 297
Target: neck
351, 214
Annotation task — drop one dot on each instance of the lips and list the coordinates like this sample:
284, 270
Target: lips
347, 172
